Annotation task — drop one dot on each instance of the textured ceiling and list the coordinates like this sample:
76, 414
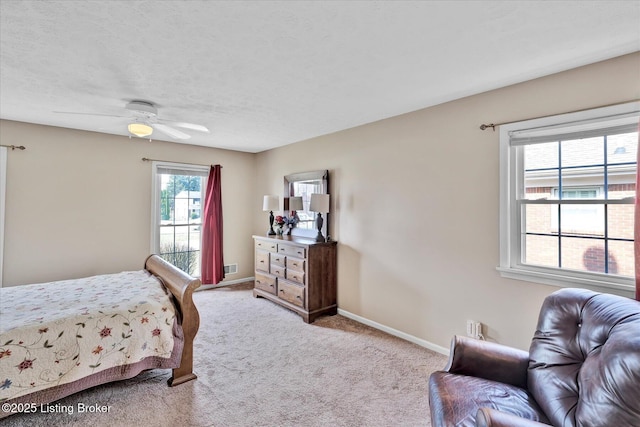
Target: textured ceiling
261, 74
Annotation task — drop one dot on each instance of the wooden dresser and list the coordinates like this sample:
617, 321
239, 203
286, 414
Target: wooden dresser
297, 273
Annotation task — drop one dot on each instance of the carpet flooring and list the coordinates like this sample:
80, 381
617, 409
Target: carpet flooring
259, 364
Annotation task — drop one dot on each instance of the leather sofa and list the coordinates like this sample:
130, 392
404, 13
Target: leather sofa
582, 369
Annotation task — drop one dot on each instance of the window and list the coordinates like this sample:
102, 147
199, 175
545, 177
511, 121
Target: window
567, 192
177, 214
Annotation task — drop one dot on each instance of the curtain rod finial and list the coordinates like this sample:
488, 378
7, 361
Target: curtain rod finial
491, 125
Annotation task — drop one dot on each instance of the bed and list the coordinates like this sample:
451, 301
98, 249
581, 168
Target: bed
62, 337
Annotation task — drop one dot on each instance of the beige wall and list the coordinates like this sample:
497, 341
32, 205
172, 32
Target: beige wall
79, 203
415, 205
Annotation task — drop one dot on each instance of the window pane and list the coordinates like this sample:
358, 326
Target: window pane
620, 221
583, 254
541, 156
621, 258
195, 207
619, 189
541, 250
581, 162
622, 148
585, 220
167, 239
541, 219
182, 238
621, 156
182, 207
582, 183
582, 152
541, 170
194, 237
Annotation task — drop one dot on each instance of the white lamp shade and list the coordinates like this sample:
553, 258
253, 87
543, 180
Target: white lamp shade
295, 203
140, 129
270, 203
319, 203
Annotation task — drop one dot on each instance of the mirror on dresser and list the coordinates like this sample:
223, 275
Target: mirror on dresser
304, 184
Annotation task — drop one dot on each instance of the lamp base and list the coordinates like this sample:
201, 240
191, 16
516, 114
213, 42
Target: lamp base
319, 222
271, 232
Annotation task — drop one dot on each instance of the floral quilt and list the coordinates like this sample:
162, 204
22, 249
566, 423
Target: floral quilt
55, 333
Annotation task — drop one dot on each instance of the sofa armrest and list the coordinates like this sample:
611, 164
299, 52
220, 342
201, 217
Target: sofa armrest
487, 417
488, 360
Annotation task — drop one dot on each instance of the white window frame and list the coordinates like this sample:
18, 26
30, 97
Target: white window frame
155, 192
510, 216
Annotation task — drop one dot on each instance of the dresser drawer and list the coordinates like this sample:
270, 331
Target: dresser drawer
295, 276
278, 259
291, 292
266, 283
296, 264
266, 245
262, 260
278, 270
296, 251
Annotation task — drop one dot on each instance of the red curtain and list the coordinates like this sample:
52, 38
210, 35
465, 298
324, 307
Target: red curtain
636, 236
212, 260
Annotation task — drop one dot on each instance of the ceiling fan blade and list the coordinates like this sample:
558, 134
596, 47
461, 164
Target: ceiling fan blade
189, 126
173, 133
89, 114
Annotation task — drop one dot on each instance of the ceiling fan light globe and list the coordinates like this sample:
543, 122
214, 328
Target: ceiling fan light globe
140, 129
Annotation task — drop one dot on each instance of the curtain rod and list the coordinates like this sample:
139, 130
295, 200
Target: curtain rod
494, 125
13, 147
146, 159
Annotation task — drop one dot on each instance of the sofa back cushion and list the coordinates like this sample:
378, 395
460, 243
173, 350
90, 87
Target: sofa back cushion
584, 367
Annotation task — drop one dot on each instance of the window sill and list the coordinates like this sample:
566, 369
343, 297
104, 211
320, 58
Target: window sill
600, 283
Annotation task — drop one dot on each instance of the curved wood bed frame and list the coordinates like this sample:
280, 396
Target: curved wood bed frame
181, 285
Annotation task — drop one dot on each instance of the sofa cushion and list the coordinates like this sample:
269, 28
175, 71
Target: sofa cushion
455, 399
584, 367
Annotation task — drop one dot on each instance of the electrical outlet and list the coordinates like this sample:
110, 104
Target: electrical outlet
471, 328
478, 330
474, 329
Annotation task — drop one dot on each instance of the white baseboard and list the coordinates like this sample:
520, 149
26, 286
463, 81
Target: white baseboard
395, 332
226, 283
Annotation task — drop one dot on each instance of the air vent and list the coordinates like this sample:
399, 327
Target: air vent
231, 269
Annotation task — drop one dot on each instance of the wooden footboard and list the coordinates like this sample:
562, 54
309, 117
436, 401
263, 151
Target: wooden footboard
181, 285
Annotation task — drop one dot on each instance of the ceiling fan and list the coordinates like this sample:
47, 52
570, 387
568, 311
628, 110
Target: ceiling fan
144, 120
